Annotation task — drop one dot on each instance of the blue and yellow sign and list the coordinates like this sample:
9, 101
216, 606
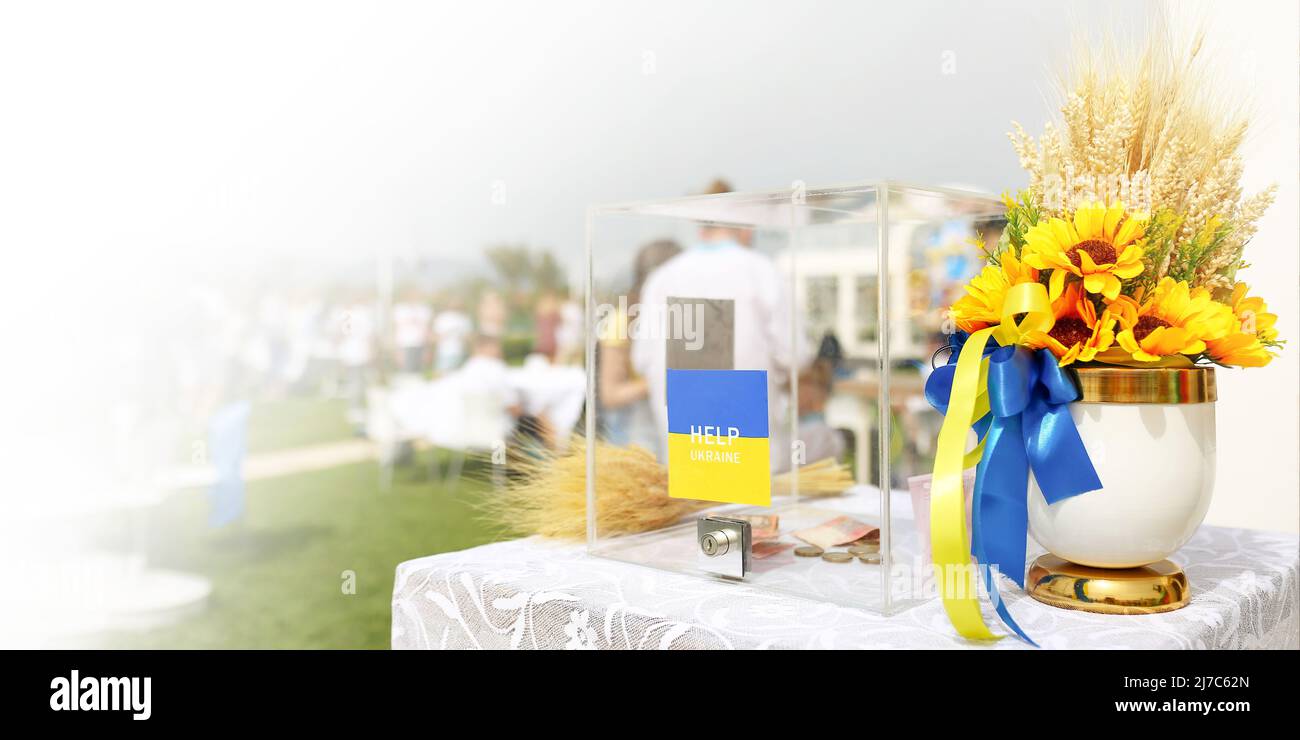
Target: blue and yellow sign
718, 448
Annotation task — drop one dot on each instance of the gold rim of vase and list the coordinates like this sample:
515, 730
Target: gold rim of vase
1151, 589
1147, 385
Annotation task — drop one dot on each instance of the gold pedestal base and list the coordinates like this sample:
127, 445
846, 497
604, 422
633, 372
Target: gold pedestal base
1155, 588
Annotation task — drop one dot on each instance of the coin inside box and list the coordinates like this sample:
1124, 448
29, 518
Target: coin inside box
838, 294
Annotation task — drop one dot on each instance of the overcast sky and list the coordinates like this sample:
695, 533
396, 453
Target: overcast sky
325, 129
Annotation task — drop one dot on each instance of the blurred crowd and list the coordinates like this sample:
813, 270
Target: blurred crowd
235, 347
306, 343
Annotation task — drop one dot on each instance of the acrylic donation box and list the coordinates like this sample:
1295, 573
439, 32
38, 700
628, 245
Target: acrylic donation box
756, 368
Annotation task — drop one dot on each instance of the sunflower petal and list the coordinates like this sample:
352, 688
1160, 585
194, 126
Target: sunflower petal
1128, 271
1128, 231
1056, 285
1036, 261
1086, 265
1113, 215
1111, 290
1070, 356
1064, 234
1086, 311
1127, 342
1166, 340
1086, 222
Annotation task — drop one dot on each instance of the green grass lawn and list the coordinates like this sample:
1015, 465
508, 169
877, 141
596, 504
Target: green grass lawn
277, 577
296, 422
280, 424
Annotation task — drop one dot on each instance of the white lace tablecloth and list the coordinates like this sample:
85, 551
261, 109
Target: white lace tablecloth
534, 593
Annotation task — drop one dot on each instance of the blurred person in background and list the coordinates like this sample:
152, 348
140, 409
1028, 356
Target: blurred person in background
271, 341
324, 362
520, 338
354, 326
568, 337
621, 394
451, 333
485, 373
220, 383
491, 315
546, 322
722, 264
412, 320
819, 439
303, 334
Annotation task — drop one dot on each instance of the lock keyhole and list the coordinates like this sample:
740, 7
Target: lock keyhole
715, 543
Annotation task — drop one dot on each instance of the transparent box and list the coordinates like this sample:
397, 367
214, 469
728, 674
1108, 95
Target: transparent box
855, 400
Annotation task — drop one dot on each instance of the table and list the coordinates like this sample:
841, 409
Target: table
534, 593
447, 413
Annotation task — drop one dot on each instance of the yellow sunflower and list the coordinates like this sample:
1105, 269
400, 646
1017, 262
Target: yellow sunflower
1251, 326
1100, 245
1239, 349
982, 304
1079, 333
1252, 313
1174, 320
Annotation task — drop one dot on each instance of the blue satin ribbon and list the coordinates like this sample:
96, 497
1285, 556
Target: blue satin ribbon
1028, 427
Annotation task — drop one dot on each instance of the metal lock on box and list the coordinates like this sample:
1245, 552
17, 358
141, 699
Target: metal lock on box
725, 545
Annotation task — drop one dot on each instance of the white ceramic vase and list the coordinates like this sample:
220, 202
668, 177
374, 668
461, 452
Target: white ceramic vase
1150, 435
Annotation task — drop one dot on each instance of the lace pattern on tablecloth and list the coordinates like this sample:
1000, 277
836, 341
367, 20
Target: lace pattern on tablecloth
533, 593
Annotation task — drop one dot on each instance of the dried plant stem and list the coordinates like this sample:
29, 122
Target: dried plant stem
1158, 131
549, 495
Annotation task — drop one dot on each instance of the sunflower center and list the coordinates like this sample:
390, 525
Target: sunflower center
1146, 325
1070, 331
1102, 253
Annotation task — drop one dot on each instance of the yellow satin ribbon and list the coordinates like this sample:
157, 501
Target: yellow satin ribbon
954, 573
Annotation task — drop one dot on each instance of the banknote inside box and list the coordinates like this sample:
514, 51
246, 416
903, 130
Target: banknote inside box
765, 354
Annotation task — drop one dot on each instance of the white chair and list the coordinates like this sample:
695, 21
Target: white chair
854, 413
382, 429
471, 421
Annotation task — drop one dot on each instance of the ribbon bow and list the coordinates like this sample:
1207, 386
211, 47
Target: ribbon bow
1017, 401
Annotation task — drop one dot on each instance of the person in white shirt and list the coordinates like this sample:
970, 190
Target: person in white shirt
485, 375
722, 265
568, 338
